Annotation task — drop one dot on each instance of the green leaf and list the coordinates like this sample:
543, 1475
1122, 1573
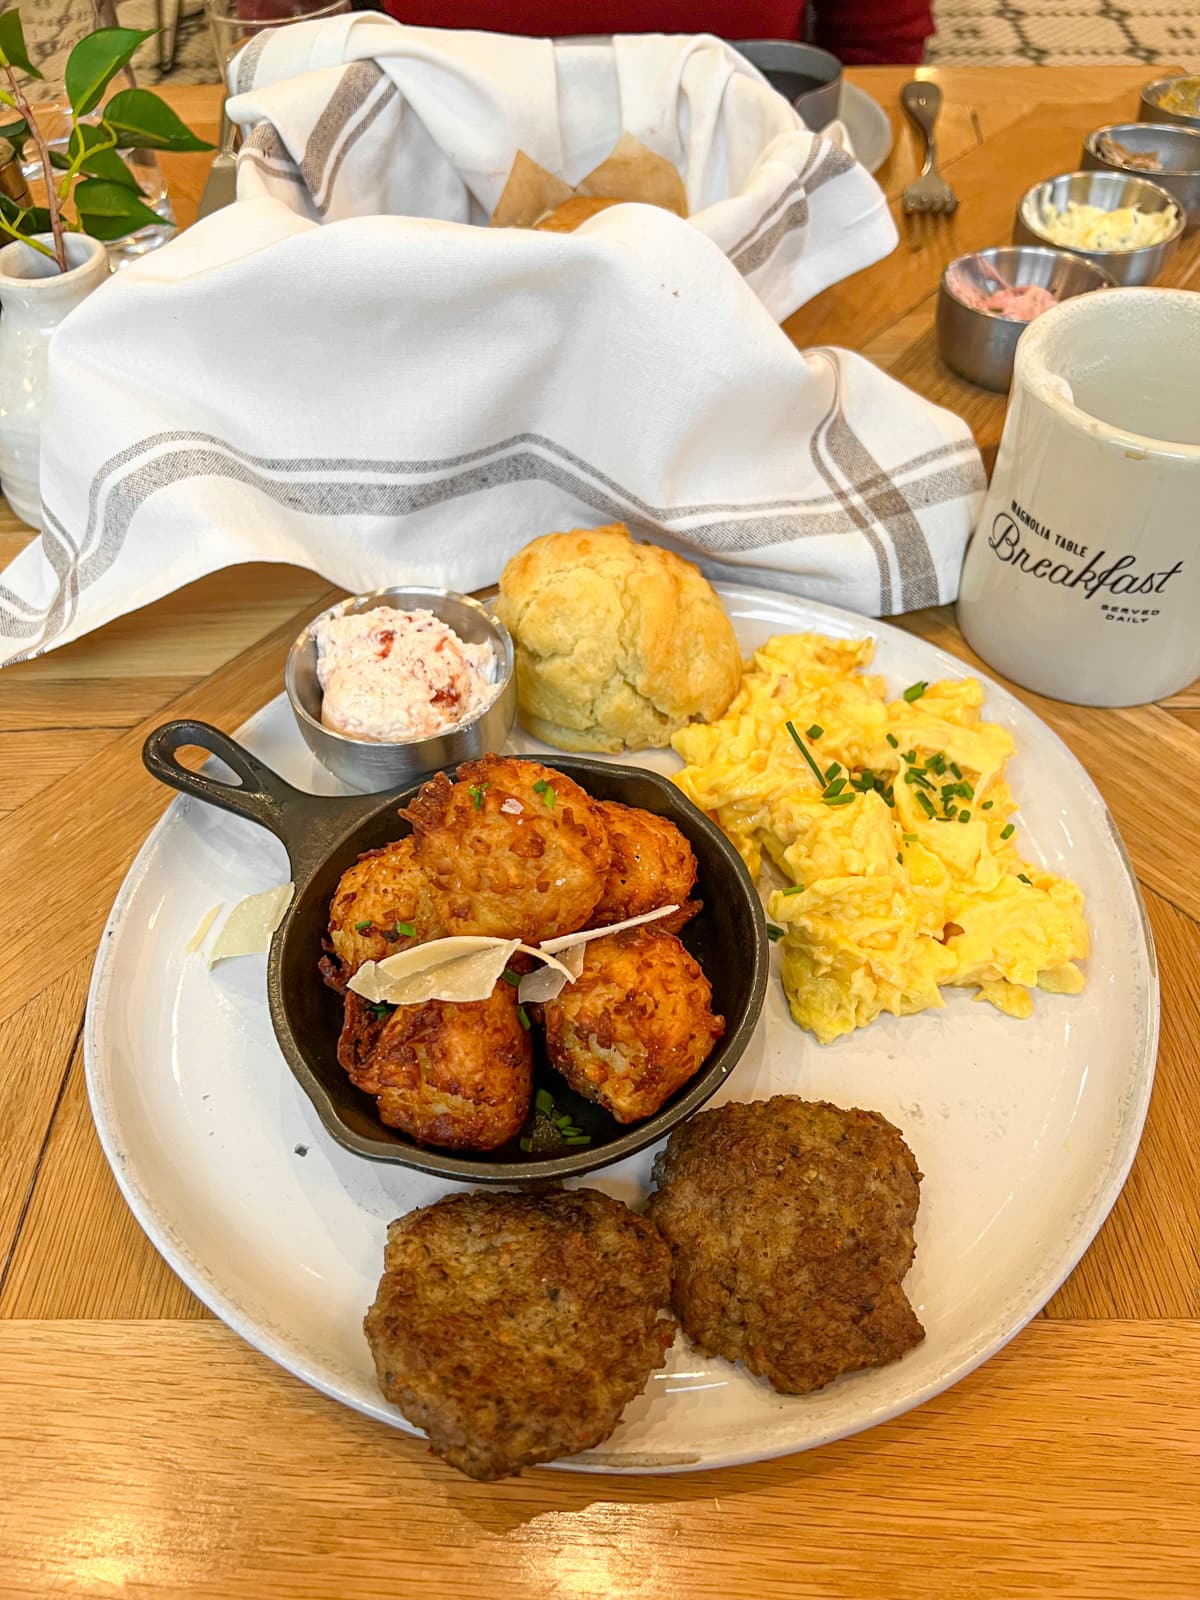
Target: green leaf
110, 211
95, 61
26, 219
12, 44
144, 122
99, 163
16, 133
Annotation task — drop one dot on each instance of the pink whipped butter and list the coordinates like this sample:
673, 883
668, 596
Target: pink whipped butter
1021, 302
391, 675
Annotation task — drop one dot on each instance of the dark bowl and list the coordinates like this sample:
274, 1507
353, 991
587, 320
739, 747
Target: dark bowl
810, 79
323, 836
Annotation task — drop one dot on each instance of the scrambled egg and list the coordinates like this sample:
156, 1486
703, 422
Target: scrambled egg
891, 819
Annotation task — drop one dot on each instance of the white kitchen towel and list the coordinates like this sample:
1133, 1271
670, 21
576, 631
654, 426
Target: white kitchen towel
358, 115
389, 398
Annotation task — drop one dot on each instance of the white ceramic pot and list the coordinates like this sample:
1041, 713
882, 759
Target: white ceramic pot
34, 298
1082, 580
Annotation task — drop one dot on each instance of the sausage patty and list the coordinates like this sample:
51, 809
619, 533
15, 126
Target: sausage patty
516, 1327
791, 1229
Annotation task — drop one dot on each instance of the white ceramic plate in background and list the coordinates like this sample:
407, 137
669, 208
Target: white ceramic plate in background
865, 120
1024, 1130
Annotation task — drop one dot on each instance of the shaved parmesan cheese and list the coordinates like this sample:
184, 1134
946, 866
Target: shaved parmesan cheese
248, 927
465, 977
548, 982
201, 932
463, 967
566, 940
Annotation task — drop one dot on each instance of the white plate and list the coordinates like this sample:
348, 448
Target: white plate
867, 123
1024, 1130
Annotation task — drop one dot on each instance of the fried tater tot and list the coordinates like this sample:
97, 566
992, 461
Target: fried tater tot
513, 849
635, 1025
652, 865
381, 896
458, 1075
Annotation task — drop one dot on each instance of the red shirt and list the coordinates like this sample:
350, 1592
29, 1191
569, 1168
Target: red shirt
854, 30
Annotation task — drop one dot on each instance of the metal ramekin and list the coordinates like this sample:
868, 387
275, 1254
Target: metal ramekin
1149, 109
1110, 191
371, 766
1177, 148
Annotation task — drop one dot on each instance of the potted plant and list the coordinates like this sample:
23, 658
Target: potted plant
57, 251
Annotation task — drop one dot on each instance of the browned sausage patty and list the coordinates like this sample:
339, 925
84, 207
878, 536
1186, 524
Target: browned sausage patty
791, 1229
456, 1074
514, 1328
635, 1025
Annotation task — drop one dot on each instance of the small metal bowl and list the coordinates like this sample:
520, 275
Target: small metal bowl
1177, 148
1109, 191
371, 766
1150, 109
980, 345
810, 79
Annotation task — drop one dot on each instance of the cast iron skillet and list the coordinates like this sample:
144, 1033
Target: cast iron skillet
324, 835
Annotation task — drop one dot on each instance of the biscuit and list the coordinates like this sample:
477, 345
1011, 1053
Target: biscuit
618, 644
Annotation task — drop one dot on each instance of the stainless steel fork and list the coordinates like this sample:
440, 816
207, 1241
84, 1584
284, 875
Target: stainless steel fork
929, 191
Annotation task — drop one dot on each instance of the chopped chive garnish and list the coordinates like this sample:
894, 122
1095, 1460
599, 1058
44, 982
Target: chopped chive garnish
834, 789
400, 930
899, 858
1008, 831
936, 764
864, 783
475, 790
1024, 879
509, 976
956, 769
546, 790
815, 731
806, 753
832, 771
526, 1144
964, 816
832, 799
543, 1101
795, 888
987, 805
382, 1010
966, 790
577, 1138
909, 838
361, 927
911, 757
926, 802
563, 1123
950, 809
914, 777
915, 691
774, 933
893, 741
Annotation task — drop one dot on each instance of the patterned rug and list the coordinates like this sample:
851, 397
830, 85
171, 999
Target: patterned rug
981, 33
1076, 33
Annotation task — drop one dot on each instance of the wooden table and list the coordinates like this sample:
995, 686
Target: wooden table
145, 1450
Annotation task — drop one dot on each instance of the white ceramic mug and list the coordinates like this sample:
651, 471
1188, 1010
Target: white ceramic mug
1082, 578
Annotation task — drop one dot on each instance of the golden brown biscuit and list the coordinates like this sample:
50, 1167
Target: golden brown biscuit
618, 644
567, 217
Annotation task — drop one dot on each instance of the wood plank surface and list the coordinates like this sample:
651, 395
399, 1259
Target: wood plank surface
144, 1450
221, 1476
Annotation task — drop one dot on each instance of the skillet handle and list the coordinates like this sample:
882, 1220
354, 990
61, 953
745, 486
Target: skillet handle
262, 795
